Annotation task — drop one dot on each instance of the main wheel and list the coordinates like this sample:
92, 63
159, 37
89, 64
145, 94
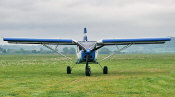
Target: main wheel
105, 70
68, 70
88, 71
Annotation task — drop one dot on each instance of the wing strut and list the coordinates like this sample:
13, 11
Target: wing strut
56, 51
125, 47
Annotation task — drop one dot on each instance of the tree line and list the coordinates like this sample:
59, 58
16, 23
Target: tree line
65, 50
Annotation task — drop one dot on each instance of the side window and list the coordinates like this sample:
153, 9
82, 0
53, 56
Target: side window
80, 48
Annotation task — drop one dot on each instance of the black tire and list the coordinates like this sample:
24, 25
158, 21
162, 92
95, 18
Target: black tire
88, 71
105, 70
68, 70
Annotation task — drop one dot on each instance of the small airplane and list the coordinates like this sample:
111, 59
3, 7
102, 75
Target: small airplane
87, 51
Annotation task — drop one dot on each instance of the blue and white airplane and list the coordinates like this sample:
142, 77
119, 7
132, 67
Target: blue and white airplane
87, 50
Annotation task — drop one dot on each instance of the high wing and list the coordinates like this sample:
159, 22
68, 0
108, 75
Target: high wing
133, 41
40, 41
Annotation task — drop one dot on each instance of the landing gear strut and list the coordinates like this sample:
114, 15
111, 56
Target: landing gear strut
87, 70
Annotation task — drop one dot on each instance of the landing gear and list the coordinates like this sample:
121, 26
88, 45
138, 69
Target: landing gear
88, 71
68, 70
105, 70
87, 68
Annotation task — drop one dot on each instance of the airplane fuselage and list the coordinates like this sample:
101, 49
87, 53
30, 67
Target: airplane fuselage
83, 54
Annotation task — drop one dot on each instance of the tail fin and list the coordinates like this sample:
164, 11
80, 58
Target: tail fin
85, 35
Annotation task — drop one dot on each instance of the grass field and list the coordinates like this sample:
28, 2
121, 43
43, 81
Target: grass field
129, 75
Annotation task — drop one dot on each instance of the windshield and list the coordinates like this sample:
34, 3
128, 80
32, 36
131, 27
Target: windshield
88, 44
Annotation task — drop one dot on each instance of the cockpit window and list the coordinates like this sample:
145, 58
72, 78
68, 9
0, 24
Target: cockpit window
80, 48
88, 44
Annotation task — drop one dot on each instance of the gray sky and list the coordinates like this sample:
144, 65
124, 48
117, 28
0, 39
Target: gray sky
103, 18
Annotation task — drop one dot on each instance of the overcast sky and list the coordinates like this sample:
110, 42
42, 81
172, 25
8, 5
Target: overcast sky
103, 18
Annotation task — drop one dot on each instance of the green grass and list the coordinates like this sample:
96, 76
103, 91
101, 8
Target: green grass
129, 75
